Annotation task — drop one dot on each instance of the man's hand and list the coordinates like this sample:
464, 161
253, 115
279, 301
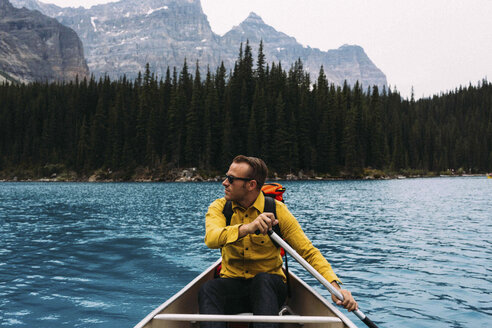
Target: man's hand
348, 301
263, 223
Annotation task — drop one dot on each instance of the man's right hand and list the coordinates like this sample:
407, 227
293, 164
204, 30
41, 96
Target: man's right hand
263, 223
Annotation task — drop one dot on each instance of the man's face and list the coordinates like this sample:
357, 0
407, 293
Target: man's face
238, 189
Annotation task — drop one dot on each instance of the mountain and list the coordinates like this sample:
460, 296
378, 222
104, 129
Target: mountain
121, 37
34, 47
345, 63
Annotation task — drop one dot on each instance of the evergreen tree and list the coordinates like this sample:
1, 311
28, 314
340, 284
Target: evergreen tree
83, 147
252, 141
227, 141
193, 137
98, 136
211, 137
260, 65
173, 120
282, 147
376, 143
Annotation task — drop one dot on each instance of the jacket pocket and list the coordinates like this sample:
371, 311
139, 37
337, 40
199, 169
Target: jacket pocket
261, 240
262, 244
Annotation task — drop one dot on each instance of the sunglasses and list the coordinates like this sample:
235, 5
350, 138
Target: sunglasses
231, 178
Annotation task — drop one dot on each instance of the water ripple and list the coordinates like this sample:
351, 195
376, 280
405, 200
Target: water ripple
415, 252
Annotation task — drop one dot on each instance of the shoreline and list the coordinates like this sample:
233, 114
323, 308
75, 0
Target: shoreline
194, 175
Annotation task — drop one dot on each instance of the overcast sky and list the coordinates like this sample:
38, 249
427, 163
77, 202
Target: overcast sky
432, 45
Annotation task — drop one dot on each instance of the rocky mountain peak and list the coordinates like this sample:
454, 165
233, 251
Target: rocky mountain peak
254, 29
253, 18
351, 48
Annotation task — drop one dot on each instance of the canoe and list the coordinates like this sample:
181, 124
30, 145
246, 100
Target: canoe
306, 308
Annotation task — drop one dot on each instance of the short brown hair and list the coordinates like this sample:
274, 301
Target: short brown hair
259, 170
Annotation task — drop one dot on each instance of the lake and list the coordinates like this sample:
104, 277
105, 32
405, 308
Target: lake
413, 252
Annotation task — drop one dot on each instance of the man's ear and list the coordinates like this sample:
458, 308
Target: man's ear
253, 184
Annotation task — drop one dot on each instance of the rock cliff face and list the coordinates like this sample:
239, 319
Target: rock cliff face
34, 47
120, 38
4, 77
345, 63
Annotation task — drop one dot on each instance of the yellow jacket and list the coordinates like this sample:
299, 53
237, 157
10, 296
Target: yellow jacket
253, 254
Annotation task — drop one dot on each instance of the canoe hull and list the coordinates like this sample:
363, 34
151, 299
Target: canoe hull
304, 302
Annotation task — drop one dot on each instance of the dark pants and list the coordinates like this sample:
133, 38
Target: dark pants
263, 295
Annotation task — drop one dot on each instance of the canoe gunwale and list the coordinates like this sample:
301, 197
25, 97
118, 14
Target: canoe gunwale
248, 318
155, 314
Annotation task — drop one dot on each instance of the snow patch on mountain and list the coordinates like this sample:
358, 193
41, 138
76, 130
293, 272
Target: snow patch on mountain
93, 19
157, 9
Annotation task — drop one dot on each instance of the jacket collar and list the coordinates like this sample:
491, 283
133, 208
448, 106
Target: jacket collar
259, 203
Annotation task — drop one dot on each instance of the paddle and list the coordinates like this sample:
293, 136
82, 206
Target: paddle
318, 276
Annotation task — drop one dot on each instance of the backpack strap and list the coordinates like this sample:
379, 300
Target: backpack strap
270, 206
227, 211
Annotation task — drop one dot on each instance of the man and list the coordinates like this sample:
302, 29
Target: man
251, 277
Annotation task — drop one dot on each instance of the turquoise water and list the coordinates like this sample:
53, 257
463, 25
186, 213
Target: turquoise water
414, 252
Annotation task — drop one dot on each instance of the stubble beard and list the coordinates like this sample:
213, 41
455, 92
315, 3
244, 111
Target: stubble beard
230, 197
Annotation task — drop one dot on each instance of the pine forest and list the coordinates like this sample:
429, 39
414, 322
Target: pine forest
182, 120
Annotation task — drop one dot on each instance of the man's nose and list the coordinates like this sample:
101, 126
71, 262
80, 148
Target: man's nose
225, 183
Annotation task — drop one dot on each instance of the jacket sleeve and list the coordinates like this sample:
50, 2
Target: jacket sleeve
217, 234
294, 235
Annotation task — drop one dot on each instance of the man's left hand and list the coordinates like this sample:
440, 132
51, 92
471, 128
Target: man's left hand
348, 302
